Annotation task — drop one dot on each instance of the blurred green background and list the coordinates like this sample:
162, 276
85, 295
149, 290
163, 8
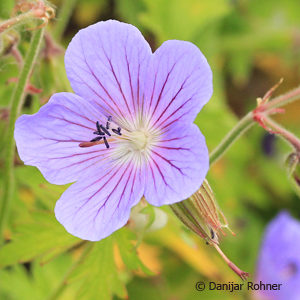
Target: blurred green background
250, 45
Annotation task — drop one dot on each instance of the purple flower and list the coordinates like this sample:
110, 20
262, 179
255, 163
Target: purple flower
279, 260
127, 133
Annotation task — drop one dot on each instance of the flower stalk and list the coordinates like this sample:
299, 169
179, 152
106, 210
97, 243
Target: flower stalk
201, 214
289, 137
30, 11
8, 24
249, 120
16, 105
233, 135
261, 116
243, 275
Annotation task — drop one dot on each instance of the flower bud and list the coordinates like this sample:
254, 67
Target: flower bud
144, 218
293, 169
201, 214
292, 162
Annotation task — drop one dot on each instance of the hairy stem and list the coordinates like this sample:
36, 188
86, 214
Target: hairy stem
63, 18
243, 275
285, 134
8, 24
284, 99
63, 283
16, 106
240, 128
247, 121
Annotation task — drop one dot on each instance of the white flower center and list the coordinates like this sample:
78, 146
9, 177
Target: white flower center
136, 145
133, 144
140, 140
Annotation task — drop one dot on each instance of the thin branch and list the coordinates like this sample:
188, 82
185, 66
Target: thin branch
16, 106
248, 121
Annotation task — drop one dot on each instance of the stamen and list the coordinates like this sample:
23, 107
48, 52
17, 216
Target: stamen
105, 142
108, 122
99, 128
103, 134
105, 130
98, 138
117, 131
99, 133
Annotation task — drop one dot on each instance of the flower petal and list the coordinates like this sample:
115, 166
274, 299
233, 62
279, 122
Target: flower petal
279, 258
50, 138
100, 203
106, 63
179, 84
178, 165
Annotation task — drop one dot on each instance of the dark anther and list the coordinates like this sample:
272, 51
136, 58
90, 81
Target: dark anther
212, 234
98, 138
108, 122
102, 132
99, 133
105, 142
105, 130
99, 128
117, 131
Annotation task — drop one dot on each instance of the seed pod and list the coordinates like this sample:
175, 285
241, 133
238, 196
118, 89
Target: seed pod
201, 214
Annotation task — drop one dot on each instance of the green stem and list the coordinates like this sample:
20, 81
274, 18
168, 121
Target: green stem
8, 24
289, 137
16, 106
284, 99
240, 128
63, 18
247, 121
63, 283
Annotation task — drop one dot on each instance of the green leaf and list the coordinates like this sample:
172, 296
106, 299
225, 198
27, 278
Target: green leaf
42, 236
15, 283
97, 276
124, 239
47, 194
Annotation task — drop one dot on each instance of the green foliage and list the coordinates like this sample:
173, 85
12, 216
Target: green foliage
182, 19
43, 193
97, 275
128, 251
6, 8
34, 284
249, 44
42, 237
